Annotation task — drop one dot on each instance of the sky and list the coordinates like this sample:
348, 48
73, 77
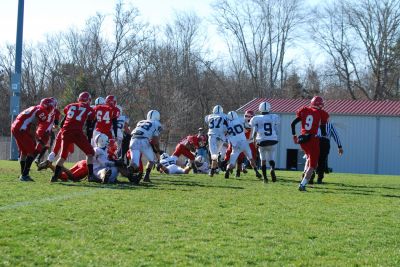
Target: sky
42, 17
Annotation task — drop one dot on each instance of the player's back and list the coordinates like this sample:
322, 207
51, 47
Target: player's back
26, 117
236, 131
104, 116
265, 126
311, 118
171, 160
76, 115
146, 129
216, 124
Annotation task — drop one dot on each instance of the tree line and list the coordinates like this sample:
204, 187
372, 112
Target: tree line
170, 69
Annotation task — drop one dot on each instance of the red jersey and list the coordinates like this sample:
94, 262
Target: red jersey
47, 125
104, 116
76, 116
190, 139
28, 116
311, 118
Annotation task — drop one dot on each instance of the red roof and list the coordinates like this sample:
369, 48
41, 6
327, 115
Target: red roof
345, 107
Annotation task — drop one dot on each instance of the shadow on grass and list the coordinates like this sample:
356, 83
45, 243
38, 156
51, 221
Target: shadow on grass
195, 184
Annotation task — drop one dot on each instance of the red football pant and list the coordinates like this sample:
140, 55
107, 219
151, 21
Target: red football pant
183, 150
25, 142
79, 171
311, 149
75, 137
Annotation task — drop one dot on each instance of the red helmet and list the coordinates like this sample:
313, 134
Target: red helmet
47, 104
54, 101
111, 100
84, 97
249, 114
202, 140
317, 102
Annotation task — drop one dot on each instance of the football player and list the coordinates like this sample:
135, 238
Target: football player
187, 147
23, 129
217, 143
265, 129
168, 164
123, 134
311, 117
103, 168
76, 115
145, 130
106, 119
239, 143
45, 130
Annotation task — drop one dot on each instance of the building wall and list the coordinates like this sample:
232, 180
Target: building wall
371, 144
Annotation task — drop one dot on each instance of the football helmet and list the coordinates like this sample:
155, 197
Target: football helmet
153, 115
99, 101
120, 109
317, 102
202, 140
164, 155
85, 97
101, 140
199, 159
232, 115
248, 115
47, 104
218, 109
111, 100
55, 102
264, 107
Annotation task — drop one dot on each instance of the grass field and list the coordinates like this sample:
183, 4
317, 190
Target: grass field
195, 220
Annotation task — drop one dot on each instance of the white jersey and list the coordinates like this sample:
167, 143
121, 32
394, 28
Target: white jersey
216, 125
202, 167
100, 159
236, 131
121, 120
171, 160
266, 127
147, 129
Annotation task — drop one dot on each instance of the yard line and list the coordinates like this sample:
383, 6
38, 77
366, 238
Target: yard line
47, 200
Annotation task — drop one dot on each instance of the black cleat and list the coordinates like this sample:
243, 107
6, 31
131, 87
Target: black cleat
265, 180
53, 179
43, 165
227, 174
237, 174
94, 179
273, 176
259, 176
302, 188
26, 178
146, 179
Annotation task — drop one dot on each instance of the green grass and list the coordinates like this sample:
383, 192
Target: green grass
195, 220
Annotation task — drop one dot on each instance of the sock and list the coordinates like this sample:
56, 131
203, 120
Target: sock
304, 182
28, 164
22, 164
90, 169
264, 171
40, 156
57, 171
147, 175
255, 169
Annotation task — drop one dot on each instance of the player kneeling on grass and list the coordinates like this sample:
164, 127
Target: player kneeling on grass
239, 143
168, 164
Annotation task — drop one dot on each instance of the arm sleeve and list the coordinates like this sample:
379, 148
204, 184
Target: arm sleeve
293, 125
322, 127
334, 134
89, 129
115, 127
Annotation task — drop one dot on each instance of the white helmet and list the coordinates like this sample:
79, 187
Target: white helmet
101, 140
218, 109
99, 101
164, 155
264, 107
199, 159
153, 115
232, 115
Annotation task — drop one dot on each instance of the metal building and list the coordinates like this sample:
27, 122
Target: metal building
369, 132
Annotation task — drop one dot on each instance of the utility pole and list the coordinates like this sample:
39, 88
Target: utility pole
16, 77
